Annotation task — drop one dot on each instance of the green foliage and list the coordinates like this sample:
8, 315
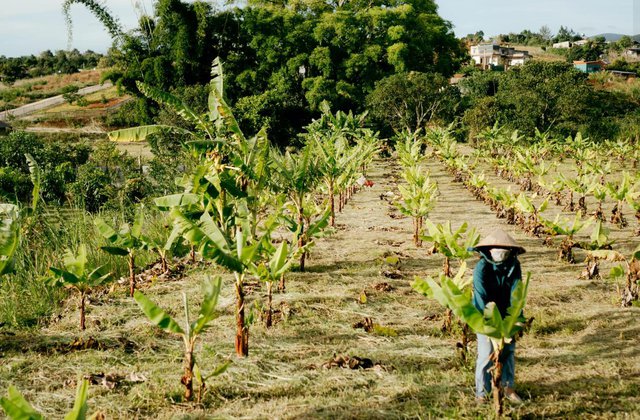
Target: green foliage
9, 236
411, 101
489, 323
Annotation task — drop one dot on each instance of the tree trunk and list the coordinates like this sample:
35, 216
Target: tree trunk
332, 220
132, 274
281, 286
446, 322
242, 332
446, 267
301, 241
163, 261
192, 254
415, 231
187, 378
82, 317
269, 320
496, 382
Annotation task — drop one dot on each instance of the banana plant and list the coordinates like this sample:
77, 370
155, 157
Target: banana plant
126, 242
452, 245
16, 407
633, 199
297, 176
9, 236
501, 331
629, 270
237, 253
272, 269
599, 240
620, 191
568, 229
409, 147
189, 331
78, 275
418, 198
531, 223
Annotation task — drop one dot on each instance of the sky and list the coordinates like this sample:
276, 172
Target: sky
32, 26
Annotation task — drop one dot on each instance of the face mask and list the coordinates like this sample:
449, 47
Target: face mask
499, 254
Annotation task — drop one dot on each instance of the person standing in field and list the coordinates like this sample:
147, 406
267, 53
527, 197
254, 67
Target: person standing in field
495, 277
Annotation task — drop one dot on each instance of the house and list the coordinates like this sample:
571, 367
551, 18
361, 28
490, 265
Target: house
565, 44
632, 53
493, 56
589, 66
623, 74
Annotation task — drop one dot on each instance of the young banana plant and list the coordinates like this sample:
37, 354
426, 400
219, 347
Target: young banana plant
629, 269
452, 245
568, 229
16, 407
599, 240
78, 275
500, 330
297, 177
418, 198
272, 269
531, 223
619, 191
9, 236
189, 331
126, 242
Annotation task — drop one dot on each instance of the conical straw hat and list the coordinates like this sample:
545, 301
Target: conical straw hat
500, 238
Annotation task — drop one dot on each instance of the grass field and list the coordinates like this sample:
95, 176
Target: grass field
580, 360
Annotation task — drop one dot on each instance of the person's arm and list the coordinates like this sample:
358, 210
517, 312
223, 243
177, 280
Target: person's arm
479, 290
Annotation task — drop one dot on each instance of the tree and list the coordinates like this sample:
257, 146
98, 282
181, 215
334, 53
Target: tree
410, 101
545, 33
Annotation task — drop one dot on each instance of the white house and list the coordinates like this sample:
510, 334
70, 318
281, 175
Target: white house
492, 55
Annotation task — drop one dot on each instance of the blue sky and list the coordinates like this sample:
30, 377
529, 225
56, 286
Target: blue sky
503, 16
32, 26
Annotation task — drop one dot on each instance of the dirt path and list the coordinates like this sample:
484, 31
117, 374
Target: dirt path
581, 360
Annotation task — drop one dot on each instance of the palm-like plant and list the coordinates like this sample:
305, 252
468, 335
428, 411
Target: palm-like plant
78, 275
297, 176
418, 198
526, 206
126, 242
9, 236
599, 240
452, 245
629, 270
277, 261
500, 330
620, 192
568, 229
190, 331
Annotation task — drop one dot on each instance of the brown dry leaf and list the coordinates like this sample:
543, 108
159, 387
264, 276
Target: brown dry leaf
383, 287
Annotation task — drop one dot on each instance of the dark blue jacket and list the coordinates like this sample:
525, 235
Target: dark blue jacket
495, 282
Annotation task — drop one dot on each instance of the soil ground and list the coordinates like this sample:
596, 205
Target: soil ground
581, 358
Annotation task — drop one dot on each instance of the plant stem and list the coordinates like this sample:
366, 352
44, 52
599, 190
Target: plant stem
242, 332
82, 316
132, 274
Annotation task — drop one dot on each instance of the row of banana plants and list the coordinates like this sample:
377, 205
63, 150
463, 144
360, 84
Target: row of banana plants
523, 210
247, 207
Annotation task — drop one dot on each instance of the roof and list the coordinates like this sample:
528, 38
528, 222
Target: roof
599, 62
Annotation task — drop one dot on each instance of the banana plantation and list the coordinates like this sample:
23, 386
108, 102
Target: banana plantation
329, 280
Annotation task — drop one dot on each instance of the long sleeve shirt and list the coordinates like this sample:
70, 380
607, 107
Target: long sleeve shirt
495, 282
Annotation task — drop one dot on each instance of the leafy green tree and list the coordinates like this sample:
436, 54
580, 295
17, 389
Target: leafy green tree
410, 101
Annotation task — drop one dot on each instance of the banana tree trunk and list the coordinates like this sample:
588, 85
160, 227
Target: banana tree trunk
301, 241
82, 311
132, 273
187, 378
496, 382
281, 286
269, 320
332, 220
242, 331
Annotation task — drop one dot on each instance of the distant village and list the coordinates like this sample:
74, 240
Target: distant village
498, 57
